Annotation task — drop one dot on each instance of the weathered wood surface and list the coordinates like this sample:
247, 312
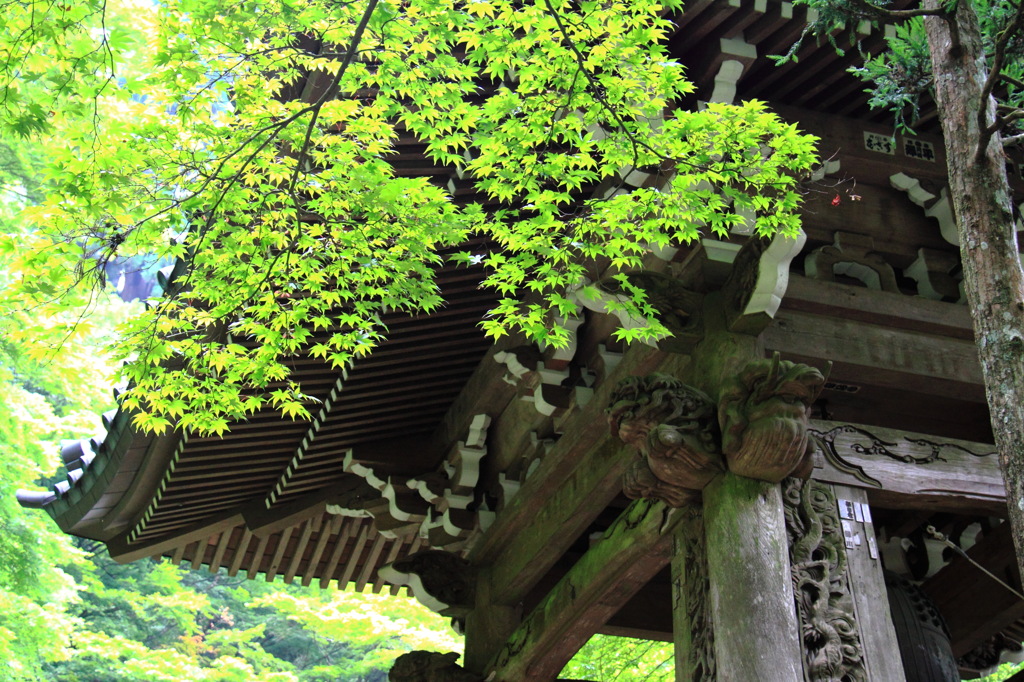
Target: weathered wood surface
870, 601
909, 470
883, 356
578, 477
627, 556
751, 592
861, 304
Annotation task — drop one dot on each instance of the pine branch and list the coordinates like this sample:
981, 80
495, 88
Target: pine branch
873, 11
994, 75
1013, 140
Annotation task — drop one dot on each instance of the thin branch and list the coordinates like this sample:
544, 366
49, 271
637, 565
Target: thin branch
350, 54
1004, 37
1013, 140
1012, 81
871, 10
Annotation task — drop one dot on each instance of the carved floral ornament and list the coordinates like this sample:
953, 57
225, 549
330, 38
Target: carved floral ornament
683, 440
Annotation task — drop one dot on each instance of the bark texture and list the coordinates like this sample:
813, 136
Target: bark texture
993, 278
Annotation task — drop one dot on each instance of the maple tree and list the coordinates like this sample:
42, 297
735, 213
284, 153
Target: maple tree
181, 133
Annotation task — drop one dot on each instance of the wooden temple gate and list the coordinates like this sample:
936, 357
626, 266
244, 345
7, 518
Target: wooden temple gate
736, 488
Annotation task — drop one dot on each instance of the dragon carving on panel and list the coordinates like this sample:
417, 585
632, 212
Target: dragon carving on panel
831, 643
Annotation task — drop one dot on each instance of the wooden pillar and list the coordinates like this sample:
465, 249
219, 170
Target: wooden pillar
488, 626
750, 589
750, 594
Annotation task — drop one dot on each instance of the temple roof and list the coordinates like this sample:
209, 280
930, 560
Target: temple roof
425, 442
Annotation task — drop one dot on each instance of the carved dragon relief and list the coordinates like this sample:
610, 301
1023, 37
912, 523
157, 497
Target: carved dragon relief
859, 440
831, 642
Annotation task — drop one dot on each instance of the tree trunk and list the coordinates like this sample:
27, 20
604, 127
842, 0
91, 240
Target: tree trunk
993, 278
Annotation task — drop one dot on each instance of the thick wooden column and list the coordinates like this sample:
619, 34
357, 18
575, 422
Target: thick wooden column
750, 589
750, 592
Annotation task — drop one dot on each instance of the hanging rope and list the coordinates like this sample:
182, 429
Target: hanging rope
956, 548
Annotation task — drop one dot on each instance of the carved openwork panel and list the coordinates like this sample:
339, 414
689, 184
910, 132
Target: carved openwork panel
764, 414
673, 429
833, 650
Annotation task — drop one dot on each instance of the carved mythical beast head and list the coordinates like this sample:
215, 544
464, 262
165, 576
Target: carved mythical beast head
763, 413
673, 428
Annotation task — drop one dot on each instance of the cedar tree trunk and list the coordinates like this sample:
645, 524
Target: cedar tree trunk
993, 277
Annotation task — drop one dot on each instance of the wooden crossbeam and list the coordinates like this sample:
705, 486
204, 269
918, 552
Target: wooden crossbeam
631, 552
882, 355
908, 470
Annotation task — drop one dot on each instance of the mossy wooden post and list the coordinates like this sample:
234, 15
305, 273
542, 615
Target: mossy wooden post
488, 626
750, 592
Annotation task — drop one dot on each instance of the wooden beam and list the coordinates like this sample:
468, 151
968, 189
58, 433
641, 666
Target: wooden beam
328, 528
904, 470
240, 550
573, 483
861, 304
631, 552
882, 356
339, 547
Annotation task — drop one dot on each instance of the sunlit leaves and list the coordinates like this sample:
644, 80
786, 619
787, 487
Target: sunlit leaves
259, 146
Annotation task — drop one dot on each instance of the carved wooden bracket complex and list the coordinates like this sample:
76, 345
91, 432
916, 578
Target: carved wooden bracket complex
852, 255
763, 413
673, 428
439, 505
430, 666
